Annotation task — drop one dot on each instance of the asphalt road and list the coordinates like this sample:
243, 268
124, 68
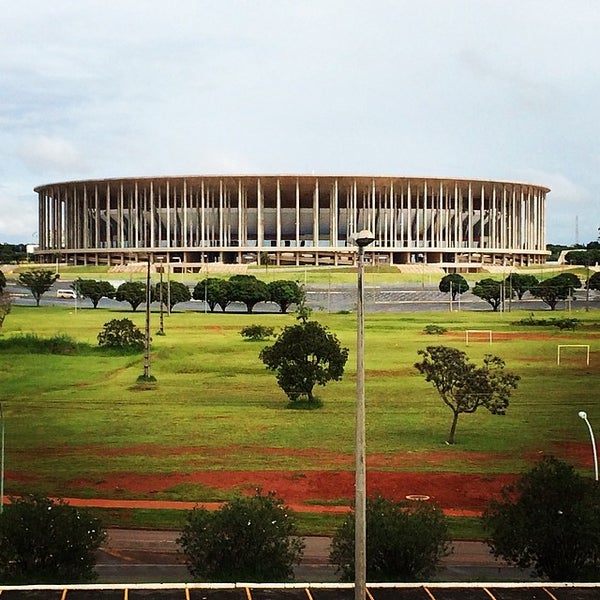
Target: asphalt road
133, 555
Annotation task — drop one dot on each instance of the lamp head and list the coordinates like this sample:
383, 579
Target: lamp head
363, 238
582, 414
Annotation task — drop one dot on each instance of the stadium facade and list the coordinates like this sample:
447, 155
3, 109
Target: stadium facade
293, 219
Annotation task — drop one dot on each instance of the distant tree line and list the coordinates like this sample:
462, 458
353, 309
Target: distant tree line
496, 292
246, 289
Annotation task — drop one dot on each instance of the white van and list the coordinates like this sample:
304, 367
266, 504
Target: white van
66, 294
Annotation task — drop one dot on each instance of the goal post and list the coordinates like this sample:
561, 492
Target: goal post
561, 346
478, 333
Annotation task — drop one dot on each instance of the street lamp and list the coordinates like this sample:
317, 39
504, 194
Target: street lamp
583, 415
361, 239
147, 375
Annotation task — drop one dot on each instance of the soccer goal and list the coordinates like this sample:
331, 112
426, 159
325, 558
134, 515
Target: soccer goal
478, 335
560, 347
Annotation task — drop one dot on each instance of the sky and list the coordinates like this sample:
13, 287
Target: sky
486, 89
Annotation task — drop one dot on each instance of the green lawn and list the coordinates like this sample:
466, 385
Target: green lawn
69, 417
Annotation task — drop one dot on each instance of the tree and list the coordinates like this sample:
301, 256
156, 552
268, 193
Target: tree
285, 292
47, 541
133, 292
5, 306
405, 541
594, 281
519, 284
492, 291
215, 291
454, 283
305, 355
257, 333
179, 293
38, 282
2, 281
549, 520
561, 287
463, 386
247, 539
121, 333
248, 290
94, 290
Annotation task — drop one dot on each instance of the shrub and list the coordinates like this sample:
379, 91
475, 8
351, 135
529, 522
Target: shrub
30, 343
549, 520
405, 541
47, 541
121, 333
257, 333
434, 330
248, 539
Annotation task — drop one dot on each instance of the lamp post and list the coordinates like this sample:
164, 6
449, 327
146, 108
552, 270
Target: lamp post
583, 415
361, 239
2, 460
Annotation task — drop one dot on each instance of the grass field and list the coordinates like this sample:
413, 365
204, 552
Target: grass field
215, 406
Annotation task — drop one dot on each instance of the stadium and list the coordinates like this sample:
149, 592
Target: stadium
455, 224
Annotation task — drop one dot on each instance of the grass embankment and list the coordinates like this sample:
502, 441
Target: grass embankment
80, 417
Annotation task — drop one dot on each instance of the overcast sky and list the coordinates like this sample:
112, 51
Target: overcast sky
488, 89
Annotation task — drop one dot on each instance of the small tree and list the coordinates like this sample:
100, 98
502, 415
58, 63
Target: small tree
463, 386
454, 283
305, 355
179, 292
405, 541
38, 282
549, 520
47, 541
520, 284
2, 282
214, 291
257, 333
248, 539
594, 281
284, 293
133, 292
561, 287
492, 291
248, 289
94, 290
121, 333
5, 306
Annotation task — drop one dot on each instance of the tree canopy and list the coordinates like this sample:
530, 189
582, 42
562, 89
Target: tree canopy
284, 293
305, 355
214, 291
454, 283
38, 282
549, 520
47, 541
173, 292
248, 289
405, 541
2, 281
247, 539
463, 386
520, 283
492, 291
133, 292
94, 290
594, 281
555, 289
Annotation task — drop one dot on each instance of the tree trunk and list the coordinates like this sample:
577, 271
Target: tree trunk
453, 428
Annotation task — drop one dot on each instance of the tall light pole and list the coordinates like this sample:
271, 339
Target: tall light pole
2, 461
583, 415
361, 239
147, 375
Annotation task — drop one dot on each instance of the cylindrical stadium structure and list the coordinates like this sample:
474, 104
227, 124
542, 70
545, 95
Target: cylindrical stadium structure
293, 219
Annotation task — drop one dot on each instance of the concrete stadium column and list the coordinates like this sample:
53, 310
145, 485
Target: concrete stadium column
482, 243
137, 213
260, 223
470, 216
334, 235
151, 213
185, 209
315, 208
278, 216
242, 233
202, 217
120, 218
426, 219
221, 240
297, 219
409, 234
107, 238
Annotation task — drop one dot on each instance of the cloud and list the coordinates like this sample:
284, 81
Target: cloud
51, 154
18, 217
